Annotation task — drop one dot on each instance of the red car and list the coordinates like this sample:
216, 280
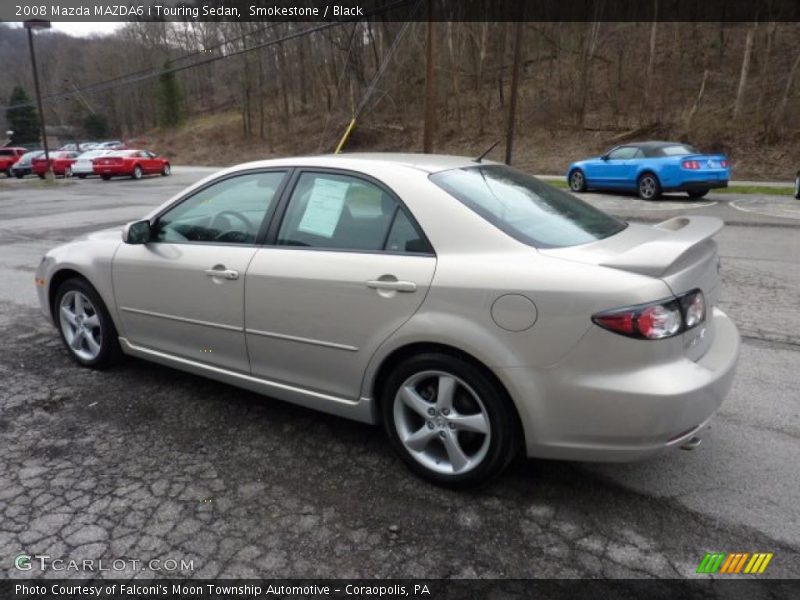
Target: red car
60, 160
8, 156
130, 163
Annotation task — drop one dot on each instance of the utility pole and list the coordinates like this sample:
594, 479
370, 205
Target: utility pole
30, 26
430, 87
512, 103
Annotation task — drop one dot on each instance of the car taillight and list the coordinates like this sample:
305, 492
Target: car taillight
658, 320
724, 163
691, 164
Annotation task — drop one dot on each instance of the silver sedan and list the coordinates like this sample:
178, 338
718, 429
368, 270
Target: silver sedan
472, 310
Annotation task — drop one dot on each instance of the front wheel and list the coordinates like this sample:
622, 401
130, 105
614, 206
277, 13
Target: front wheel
85, 326
106, 177
9, 173
19, 175
577, 181
137, 172
448, 420
697, 193
649, 187
166, 170
81, 176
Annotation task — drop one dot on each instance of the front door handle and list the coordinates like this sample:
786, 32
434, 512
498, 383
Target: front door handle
392, 285
223, 273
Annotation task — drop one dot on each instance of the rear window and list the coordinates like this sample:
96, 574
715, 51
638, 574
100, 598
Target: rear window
527, 209
677, 150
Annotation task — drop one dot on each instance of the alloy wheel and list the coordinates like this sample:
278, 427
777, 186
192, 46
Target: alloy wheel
647, 187
442, 422
80, 324
576, 181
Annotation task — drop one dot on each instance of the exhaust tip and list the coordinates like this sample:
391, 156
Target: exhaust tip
691, 444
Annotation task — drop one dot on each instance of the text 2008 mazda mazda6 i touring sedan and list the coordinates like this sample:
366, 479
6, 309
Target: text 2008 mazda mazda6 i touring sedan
470, 308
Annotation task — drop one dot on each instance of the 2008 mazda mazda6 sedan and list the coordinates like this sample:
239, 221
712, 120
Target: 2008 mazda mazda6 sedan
471, 309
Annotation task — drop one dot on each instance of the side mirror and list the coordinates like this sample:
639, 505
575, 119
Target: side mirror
137, 232
604, 157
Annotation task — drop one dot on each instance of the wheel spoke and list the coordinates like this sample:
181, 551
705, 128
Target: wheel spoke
93, 321
79, 308
458, 459
76, 340
476, 422
414, 401
419, 440
444, 395
69, 316
94, 347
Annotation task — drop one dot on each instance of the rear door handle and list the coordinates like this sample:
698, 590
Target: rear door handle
223, 273
392, 285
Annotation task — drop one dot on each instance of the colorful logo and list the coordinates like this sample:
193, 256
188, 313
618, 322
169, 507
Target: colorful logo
734, 563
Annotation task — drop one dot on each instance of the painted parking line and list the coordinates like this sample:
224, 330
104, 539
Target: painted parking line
781, 208
616, 203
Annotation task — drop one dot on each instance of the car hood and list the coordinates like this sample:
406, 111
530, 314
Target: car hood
112, 233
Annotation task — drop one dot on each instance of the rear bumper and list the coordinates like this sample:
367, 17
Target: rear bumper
575, 412
704, 184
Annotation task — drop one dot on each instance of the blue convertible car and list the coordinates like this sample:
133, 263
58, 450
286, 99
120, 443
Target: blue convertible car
651, 168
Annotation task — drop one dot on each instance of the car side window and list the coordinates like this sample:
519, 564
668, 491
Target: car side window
623, 153
227, 212
332, 211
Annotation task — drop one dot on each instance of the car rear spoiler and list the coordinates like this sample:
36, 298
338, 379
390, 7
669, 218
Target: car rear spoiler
681, 235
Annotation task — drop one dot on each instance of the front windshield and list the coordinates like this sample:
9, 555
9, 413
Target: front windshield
527, 209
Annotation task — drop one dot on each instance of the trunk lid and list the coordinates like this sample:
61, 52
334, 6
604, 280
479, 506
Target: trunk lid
679, 251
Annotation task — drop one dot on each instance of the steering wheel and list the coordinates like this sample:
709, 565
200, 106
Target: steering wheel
232, 213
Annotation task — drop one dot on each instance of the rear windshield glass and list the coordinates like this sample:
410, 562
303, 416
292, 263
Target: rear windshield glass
527, 209
677, 150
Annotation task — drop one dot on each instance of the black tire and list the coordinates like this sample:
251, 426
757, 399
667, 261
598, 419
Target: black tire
41, 175
492, 456
697, 193
106, 177
137, 172
9, 173
110, 352
577, 181
166, 170
19, 175
648, 186
797, 187
81, 176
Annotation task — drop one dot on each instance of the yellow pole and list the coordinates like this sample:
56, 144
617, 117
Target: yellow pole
346, 135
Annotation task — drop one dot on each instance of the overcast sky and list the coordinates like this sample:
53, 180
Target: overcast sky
82, 29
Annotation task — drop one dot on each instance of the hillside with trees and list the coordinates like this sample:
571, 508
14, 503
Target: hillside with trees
218, 93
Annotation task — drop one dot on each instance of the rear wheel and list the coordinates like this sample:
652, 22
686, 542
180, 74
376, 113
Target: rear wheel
19, 175
85, 326
137, 172
697, 193
449, 422
9, 173
166, 170
106, 177
81, 176
649, 187
577, 181
41, 175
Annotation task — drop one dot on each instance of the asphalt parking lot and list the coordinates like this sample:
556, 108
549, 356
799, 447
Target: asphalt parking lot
143, 462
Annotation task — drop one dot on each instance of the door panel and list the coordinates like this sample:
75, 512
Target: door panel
314, 318
168, 302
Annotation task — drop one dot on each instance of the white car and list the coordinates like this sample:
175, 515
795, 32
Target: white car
83, 166
473, 310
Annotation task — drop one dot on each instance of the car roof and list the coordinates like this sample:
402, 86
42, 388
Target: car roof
429, 163
654, 145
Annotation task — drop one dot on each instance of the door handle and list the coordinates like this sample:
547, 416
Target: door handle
223, 273
392, 285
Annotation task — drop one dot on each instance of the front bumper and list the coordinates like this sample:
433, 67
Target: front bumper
577, 411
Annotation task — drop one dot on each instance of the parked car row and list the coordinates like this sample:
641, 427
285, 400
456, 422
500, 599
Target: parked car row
103, 163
